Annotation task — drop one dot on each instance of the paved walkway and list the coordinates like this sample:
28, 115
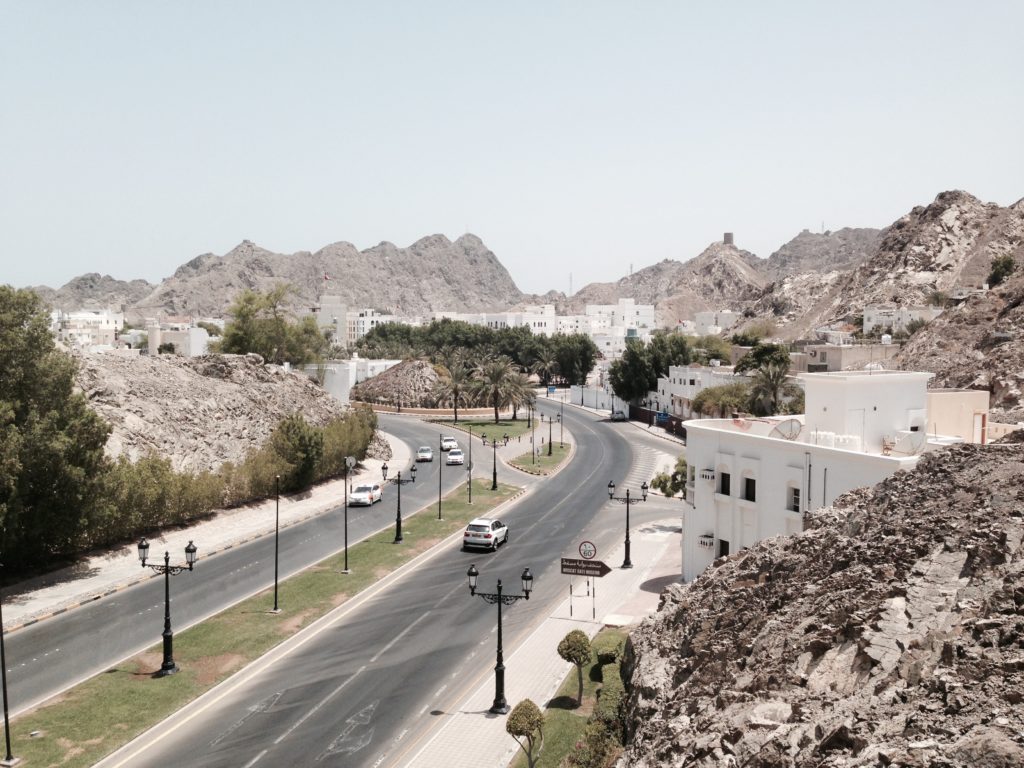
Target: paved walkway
534, 669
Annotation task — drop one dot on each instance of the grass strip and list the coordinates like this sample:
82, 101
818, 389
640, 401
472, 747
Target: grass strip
96, 717
564, 722
545, 464
511, 427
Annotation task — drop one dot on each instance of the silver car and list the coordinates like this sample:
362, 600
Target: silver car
365, 495
455, 456
449, 443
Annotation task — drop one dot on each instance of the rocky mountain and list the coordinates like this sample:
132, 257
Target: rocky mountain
889, 633
978, 344
811, 252
721, 276
939, 247
431, 274
95, 291
199, 412
411, 383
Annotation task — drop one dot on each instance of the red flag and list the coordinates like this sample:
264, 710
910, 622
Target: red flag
326, 277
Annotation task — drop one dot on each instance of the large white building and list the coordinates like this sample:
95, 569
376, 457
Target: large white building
750, 479
87, 330
676, 392
889, 318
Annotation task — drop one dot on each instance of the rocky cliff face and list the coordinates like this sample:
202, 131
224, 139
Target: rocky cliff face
889, 633
95, 291
811, 252
411, 384
199, 412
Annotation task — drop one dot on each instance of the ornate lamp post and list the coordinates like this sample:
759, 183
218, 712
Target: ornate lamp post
626, 562
440, 466
500, 706
168, 667
561, 414
469, 466
277, 531
399, 482
494, 459
350, 461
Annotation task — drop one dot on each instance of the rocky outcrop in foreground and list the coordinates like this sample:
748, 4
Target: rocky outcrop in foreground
199, 412
889, 633
411, 384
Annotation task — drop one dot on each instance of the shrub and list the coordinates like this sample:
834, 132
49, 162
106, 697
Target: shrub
608, 647
1002, 268
575, 648
525, 721
609, 701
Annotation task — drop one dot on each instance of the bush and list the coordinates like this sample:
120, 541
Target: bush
1002, 268
609, 700
608, 647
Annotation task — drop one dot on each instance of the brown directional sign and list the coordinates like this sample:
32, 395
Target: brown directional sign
574, 566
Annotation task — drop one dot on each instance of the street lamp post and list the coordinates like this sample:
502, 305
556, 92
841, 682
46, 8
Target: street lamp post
398, 511
10, 758
560, 428
500, 706
551, 423
440, 466
168, 667
277, 530
494, 458
626, 562
561, 415
350, 462
469, 467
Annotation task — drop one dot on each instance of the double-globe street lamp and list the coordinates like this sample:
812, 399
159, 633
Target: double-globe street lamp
399, 482
500, 706
626, 562
10, 759
551, 426
168, 667
494, 458
350, 461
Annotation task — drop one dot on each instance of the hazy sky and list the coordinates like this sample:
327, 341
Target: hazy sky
576, 137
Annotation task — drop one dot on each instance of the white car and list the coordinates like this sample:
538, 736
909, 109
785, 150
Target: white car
425, 454
448, 443
485, 533
455, 456
365, 495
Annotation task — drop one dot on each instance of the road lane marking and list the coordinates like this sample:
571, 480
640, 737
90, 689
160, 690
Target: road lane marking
317, 707
398, 637
255, 760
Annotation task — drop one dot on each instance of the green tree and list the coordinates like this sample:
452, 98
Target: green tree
492, 379
1002, 267
761, 355
545, 366
212, 329
575, 648
51, 460
708, 348
520, 393
666, 350
167, 348
455, 385
526, 722
301, 447
723, 400
261, 324
768, 386
632, 375
576, 354
671, 483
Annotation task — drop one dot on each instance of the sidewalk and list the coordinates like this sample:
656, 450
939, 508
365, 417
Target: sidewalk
103, 574
654, 430
534, 669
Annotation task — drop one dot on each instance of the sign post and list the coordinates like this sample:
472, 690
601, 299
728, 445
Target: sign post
592, 569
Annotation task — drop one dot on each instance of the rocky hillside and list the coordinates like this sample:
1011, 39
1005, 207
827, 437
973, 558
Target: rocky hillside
948, 244
199, 412
889, 633
811, 252
431, 274
95, 291
977, 344
721, 276
411, 383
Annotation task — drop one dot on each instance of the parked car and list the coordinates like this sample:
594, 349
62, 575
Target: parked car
618, 416
425, 454
448, 443
485, 533
455, 456
365, 495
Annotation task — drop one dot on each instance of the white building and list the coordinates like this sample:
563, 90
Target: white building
87, 330
188, 339
339, 376
676, 392
750, 479
624, 314
889, 318
715, 322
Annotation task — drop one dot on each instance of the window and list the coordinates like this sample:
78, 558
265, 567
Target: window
793, 499
749, 489
724, 483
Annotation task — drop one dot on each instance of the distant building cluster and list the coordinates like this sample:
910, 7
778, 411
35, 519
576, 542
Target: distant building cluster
95, 331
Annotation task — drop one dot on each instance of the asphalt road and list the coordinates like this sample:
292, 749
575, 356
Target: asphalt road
366, 687
48, 657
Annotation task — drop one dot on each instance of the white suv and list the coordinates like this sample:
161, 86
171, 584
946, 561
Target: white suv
448, 443
485, 533
365, 495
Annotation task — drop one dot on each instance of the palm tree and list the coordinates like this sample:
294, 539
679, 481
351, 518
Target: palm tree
768, 387
520, 393
455, 386
492, 376
545, 366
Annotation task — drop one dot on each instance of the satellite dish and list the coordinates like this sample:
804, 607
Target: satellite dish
787, 430
910, 443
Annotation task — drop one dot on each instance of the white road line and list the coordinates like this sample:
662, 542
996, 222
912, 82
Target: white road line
316, 708
398, 637
253, 762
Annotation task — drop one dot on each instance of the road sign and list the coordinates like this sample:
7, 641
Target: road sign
576, 567
587, 550
551, 390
